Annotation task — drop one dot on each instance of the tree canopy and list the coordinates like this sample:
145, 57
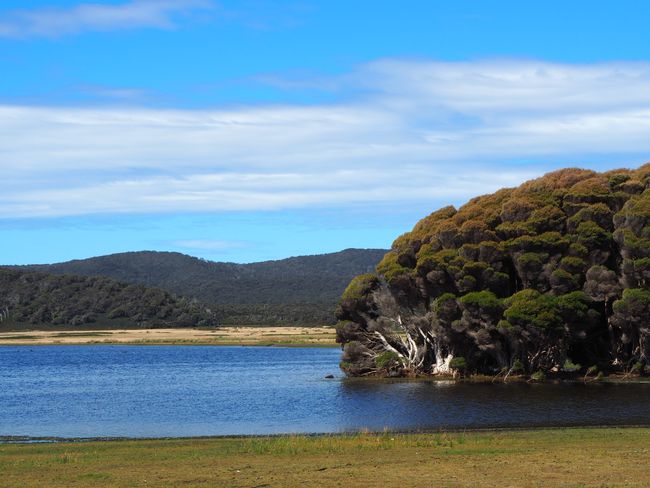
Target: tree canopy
40, 299
553, 272
301, 290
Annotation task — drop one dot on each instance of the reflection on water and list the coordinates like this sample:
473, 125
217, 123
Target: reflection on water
433, 405
155, 391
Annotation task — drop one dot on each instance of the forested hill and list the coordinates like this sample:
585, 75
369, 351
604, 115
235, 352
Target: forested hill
47, 300
303, 289
547, 278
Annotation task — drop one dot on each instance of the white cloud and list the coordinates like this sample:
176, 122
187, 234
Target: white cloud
494, 88
52, 22
220, 192
421, 131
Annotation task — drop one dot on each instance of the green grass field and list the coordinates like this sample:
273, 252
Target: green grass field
584, 457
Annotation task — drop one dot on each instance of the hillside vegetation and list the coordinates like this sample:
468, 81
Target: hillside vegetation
299, 290
547, 278
42, 299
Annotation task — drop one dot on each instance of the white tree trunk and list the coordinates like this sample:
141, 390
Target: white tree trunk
442, 364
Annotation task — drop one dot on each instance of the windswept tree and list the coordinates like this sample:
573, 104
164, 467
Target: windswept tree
528, 279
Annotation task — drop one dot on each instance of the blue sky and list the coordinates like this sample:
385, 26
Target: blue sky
253, 130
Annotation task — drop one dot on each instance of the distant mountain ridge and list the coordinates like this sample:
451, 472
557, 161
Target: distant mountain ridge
302, 289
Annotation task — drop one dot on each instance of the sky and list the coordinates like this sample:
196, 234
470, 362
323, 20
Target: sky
253, 130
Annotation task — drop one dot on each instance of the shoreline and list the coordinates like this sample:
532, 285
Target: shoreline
580, 457
279, 336
46, 440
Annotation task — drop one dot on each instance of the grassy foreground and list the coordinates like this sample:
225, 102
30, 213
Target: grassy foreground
584, 457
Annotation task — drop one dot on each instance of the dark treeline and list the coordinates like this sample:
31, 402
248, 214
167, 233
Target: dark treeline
276, 314
41, 299
300, 290
547, 278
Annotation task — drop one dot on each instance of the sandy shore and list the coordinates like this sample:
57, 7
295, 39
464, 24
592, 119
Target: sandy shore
309, 336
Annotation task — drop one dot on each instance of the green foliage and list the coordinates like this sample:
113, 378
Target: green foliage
547, 219
446, 256
470, 252
458, 363
504, 325
429, 224
570, 367
634, 299
385, 359
530, 307
641, 265
633, 244
598, 213
531, 260
638, 206
574, 305
591, 190
485, 300
591, 235
562, 277
538, 376
577, 249
475, 269
512, 230
467, 283
360, 286
573, 264
617, 179
499, 282
550, 242
390, 268
443, 300
636, 367
443, 260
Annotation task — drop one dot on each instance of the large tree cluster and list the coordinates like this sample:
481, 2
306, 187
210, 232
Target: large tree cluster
543, 278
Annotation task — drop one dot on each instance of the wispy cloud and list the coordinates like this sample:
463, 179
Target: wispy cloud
54, 22
416, 131
113, 93
218, 192
493, 88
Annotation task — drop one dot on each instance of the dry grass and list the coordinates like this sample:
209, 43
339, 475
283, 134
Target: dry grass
248, 336
583, 457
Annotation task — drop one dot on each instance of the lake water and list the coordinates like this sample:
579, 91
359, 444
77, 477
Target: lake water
177, 391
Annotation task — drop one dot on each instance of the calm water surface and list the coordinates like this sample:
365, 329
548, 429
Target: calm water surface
160, 391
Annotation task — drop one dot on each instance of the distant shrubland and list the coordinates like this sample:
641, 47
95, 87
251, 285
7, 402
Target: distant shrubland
302, 290
40, 299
